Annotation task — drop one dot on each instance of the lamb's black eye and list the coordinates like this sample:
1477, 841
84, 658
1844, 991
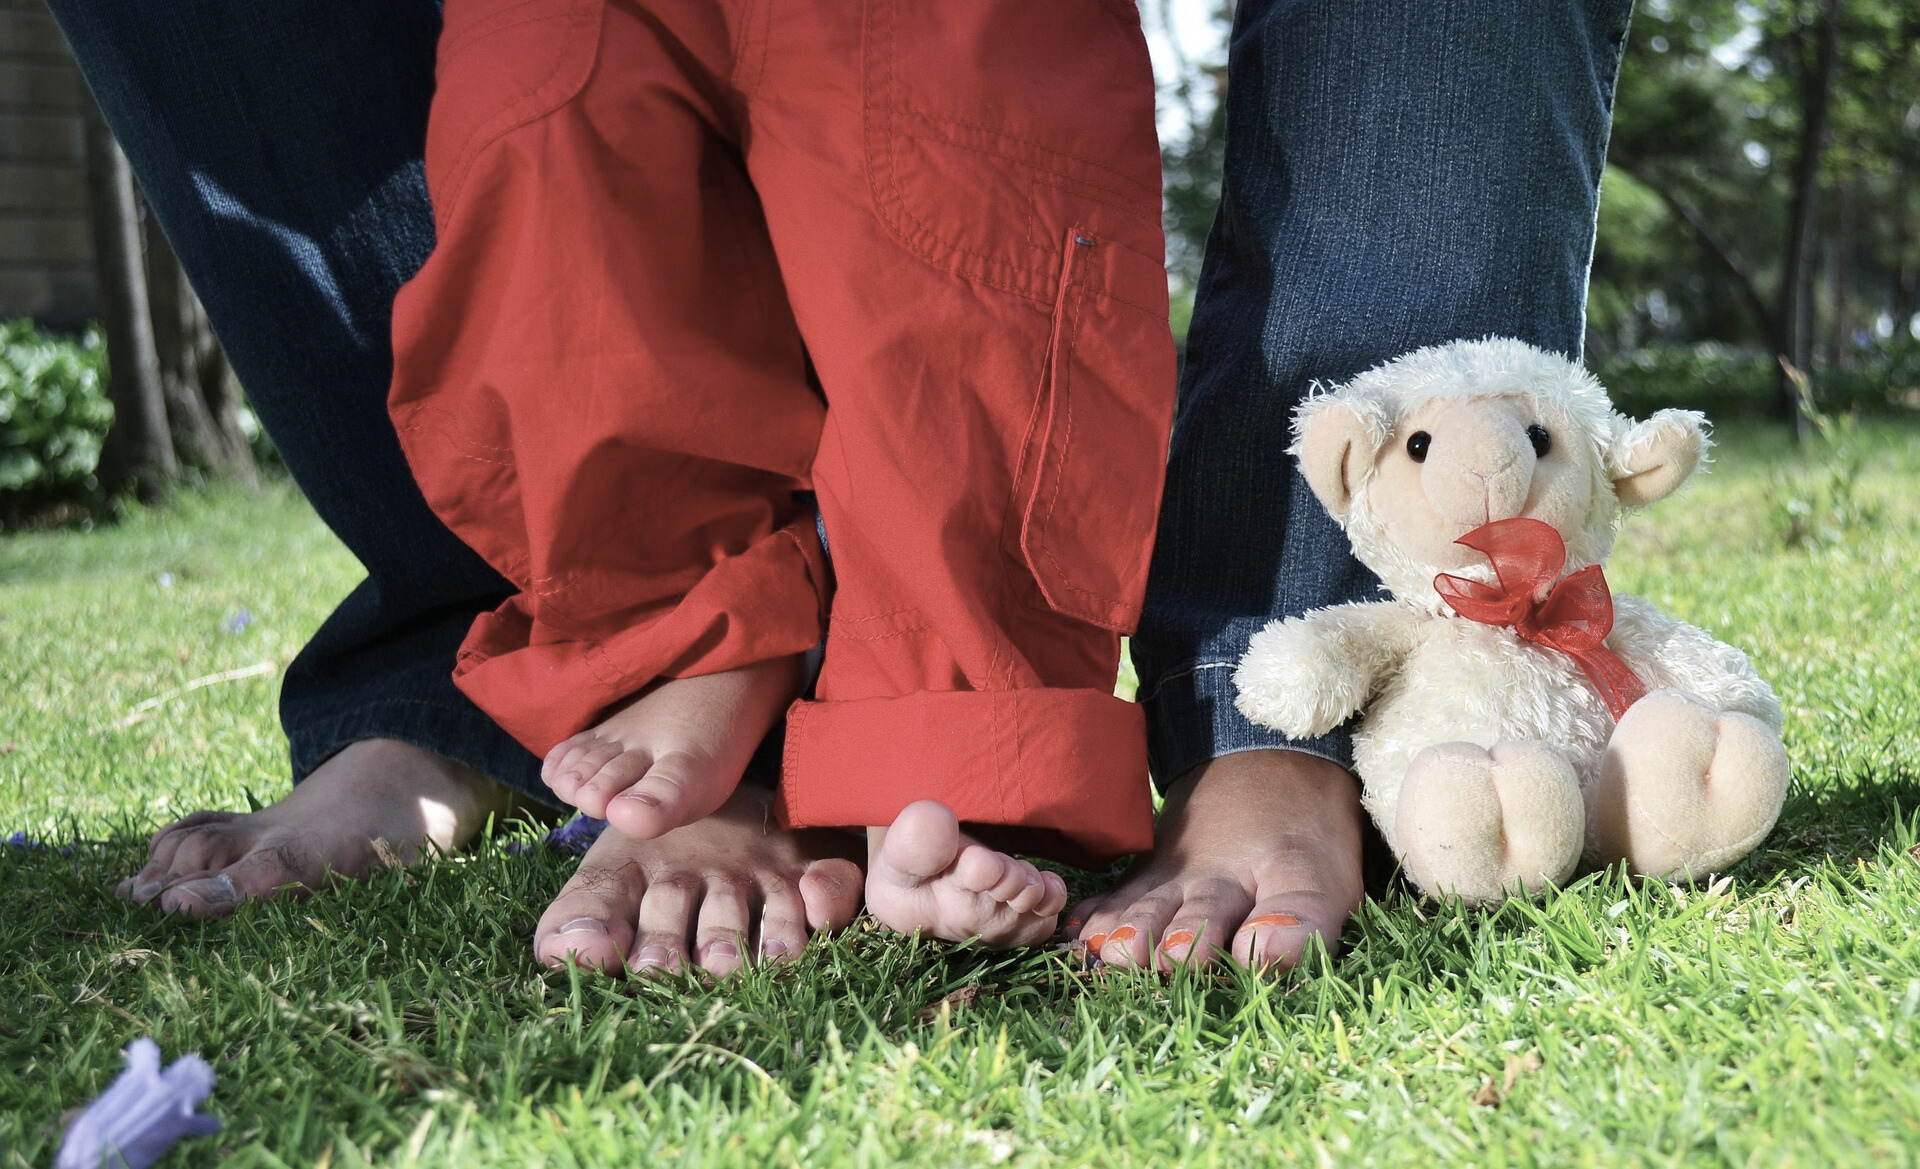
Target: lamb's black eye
1417, 444
1541, 440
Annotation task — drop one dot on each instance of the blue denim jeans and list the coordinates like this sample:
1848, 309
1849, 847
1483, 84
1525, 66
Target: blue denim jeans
1398, 174
279, 146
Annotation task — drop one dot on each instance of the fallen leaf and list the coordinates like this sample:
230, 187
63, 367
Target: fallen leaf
959, 1000
384, 849
8, 748
1517, 1065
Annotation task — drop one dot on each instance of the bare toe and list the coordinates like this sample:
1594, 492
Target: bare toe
831, 890
675, 752
1255, 854
783, 922
922, 843
679, 788
927, 876
1275, 936
1132, 939
374, 799
574, 761
1203, 928
613, 777
692, 896
726, 919
594, 918
666, 924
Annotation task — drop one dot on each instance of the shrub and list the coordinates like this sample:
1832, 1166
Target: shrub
1730, 384
1722, 382
54, 412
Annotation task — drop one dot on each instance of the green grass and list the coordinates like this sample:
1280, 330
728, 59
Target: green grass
1770, 1019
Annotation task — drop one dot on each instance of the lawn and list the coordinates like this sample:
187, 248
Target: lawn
1771, 1018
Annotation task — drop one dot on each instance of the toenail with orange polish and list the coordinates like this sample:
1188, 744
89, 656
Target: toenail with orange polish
1271, 919
1124, 934
1176, 938
1097, 943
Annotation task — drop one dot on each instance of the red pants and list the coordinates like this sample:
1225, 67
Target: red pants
696, 256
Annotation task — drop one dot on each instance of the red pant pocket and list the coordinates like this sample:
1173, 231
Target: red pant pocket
1095, 458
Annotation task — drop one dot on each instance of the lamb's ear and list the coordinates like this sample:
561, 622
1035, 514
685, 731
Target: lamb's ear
1650, 460
1335, 446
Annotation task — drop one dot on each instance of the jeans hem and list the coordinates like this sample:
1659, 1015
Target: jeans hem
1191, 719
465, 736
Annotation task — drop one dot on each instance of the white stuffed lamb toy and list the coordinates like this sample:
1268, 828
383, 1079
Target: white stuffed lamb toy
1501, 739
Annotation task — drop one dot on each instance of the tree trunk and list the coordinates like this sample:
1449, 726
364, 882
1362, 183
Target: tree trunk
1906, 277
1844, 229
138, 451
195, 439
1793, 318
202, 406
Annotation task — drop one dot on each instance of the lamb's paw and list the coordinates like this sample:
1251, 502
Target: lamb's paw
1288, 681
1686, 790
1480, 824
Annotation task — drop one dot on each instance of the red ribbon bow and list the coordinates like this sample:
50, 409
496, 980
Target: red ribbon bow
1574, 618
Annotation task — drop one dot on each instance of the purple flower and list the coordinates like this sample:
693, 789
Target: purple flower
576, 835
142, 1115
22, 840
238, 622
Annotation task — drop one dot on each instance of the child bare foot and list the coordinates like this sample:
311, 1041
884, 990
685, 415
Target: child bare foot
717, 894
376, 801
674, 753
923, 873
1254, 855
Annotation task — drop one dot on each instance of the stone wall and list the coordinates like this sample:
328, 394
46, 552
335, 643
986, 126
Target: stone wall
46, 249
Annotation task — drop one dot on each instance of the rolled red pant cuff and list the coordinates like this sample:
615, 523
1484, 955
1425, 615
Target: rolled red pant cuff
1066, 768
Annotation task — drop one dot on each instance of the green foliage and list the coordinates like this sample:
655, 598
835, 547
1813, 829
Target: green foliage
54, 412
1722, 382
1730, 383
1822, 503
1708, 120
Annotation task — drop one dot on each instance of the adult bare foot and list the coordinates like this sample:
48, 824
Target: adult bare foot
714, 894
375, 801
674, 753
1255, 854
924, 874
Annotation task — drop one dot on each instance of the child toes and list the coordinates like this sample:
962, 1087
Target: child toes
616, 775
980, 869
1017, 880
676, 788
1044, 896
576, 761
